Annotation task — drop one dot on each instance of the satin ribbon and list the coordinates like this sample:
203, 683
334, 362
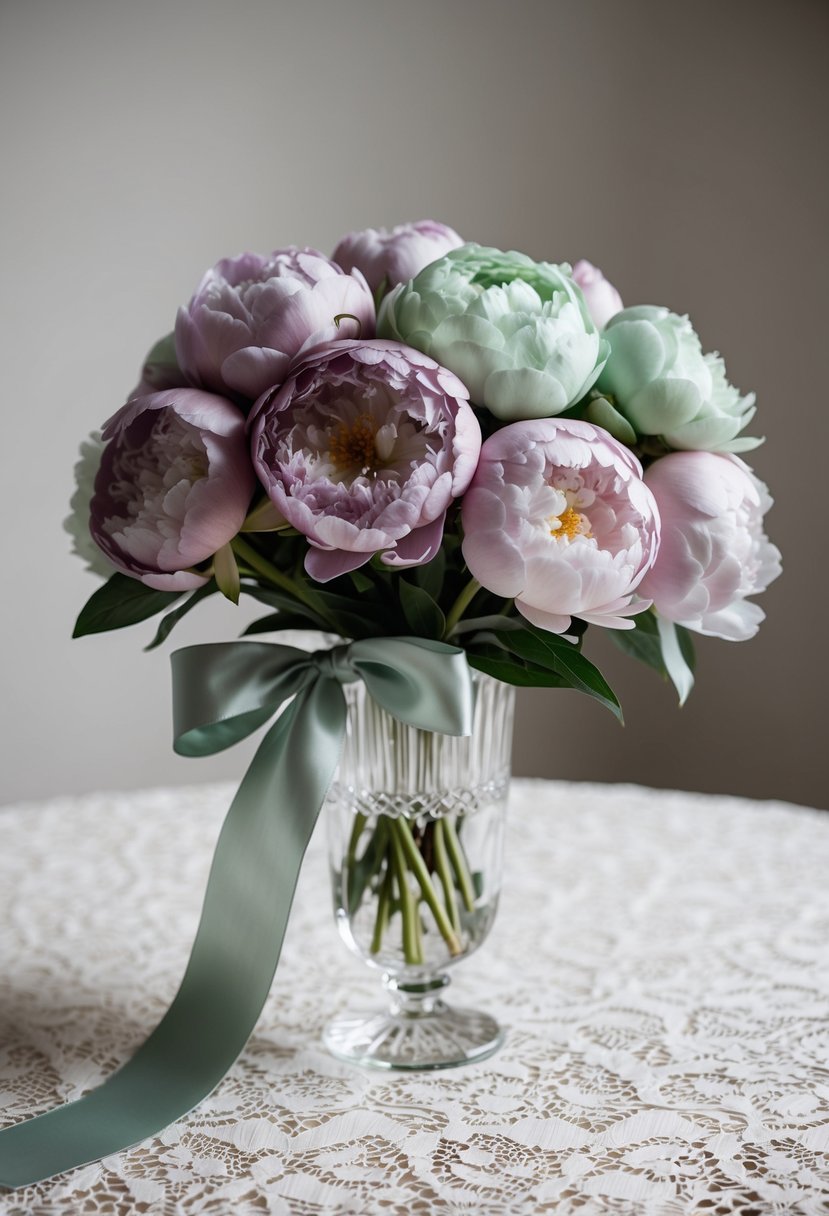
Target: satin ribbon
221, 693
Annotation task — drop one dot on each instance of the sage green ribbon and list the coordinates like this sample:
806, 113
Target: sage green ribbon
221, 693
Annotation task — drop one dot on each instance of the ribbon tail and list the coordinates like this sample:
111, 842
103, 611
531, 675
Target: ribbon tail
245, 913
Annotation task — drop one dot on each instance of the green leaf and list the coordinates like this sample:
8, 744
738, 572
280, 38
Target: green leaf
264, 517
285, 603
168, 623
686, 645
641, 642
362, 583
581, 673
431, 575
554, 653
333, 602
475, 624
423, 616
507, 669
164, 350
122, 601
281, 620
226, 573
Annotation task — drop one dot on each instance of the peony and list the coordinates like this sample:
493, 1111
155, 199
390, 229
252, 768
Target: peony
173, 486
252, 314
517, 332
602, 299
714, 552
388, 258
362, 450
662, 383
559, 518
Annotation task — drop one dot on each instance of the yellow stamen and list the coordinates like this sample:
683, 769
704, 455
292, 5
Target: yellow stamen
570, 523
352, 446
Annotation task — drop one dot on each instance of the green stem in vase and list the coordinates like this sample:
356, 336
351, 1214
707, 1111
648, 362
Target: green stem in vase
444, 873
402, 835
360, 821
458, 860
383, 910
362, 870
412, 949
418, 930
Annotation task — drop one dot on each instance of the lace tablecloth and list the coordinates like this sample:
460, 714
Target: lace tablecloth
660, 961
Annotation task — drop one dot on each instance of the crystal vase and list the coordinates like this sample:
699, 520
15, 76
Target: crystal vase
415, 831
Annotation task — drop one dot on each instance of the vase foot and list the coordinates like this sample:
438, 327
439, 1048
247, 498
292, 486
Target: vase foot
408, 1038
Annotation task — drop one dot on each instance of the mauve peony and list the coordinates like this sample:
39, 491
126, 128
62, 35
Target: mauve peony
392, 257
658, 378
601, 297
559, 518
173, 486
251, 315
362, 450
517, 332
714, 552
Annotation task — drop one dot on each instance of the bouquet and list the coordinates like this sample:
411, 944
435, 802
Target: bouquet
428, 438
449, 456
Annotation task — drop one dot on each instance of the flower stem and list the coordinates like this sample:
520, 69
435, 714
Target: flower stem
383, 907
444, 873
460, 606
455, 851
402, 834
269, 571
361, 873
412, 951
359, 823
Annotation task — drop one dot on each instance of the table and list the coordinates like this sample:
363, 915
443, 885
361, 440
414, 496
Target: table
660, 961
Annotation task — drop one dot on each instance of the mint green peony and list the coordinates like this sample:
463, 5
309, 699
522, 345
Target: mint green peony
659, 380
516, 332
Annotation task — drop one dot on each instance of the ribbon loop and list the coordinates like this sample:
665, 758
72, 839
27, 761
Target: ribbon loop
223, 691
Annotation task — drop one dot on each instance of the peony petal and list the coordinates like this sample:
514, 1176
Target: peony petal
663, 405
524, 393
419, 547
324, 564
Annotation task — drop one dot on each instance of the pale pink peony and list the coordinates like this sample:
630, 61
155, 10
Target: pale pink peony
362, 450
251, 315
714, 552
395, 256
602, 299
559, 518
173, 486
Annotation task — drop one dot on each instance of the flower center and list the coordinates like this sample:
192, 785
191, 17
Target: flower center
352, 445
569, 525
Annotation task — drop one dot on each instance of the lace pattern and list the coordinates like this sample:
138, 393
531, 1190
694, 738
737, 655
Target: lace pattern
660, 961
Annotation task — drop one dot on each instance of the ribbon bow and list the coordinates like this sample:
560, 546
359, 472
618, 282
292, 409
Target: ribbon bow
221, 694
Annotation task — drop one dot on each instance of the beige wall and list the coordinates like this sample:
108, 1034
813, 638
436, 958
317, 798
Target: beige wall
681, 147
